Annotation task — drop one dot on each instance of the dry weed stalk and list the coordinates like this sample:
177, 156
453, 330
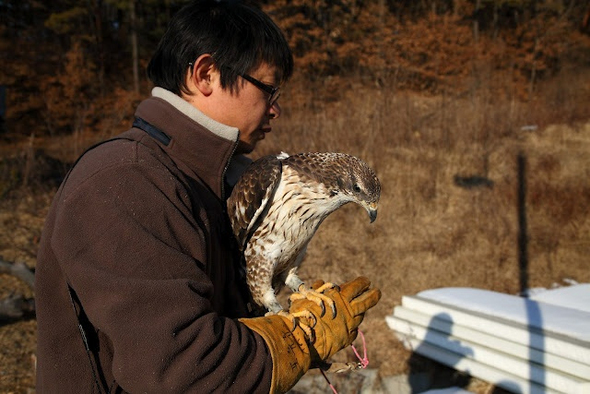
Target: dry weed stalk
434, 231
449, 207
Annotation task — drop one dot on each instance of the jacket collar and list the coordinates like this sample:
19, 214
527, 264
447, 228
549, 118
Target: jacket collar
227, 132
198, 144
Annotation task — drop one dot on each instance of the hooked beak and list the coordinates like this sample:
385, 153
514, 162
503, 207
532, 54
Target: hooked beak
372, 211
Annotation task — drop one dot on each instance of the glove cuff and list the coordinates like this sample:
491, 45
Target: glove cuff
289, 350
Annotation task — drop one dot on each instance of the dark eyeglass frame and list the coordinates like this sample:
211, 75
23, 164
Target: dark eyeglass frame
274, 92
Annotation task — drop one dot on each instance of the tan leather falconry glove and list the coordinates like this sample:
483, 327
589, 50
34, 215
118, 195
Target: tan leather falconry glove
333, 333
293, 350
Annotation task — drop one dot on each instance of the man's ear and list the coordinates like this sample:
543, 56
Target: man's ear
202, 75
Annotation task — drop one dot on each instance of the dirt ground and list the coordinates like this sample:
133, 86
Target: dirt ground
21, 221
430, 233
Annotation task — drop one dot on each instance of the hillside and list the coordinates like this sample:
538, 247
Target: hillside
474, 115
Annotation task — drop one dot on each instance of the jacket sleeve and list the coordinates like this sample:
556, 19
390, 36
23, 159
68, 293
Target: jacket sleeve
132, 246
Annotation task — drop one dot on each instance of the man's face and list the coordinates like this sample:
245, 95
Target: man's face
248, 108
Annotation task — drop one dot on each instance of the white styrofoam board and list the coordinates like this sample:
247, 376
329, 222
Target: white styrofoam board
505, 345
522, 368
447, 390
549, 318
474, 368
574, 297
501, 326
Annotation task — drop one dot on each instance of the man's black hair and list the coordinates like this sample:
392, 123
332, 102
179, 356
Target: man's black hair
239, 37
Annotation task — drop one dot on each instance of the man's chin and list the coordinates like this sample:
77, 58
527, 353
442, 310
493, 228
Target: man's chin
244, 148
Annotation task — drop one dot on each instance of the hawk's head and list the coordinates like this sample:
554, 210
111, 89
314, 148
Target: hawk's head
347, 178
360, 184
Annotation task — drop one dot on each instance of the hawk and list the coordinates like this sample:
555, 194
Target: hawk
278, 204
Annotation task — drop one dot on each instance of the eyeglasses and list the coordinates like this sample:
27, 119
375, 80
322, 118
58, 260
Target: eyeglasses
274, 92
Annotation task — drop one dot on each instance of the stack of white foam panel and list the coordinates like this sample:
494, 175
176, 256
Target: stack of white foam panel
519, 344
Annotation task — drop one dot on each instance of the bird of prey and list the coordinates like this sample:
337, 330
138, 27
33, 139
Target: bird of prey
278, 204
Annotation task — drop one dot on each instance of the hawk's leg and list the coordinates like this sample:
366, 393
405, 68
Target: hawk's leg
269, 300
300, 291
274, 308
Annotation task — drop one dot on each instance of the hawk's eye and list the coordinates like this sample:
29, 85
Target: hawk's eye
356, 188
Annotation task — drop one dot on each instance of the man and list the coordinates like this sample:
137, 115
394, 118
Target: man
139, 288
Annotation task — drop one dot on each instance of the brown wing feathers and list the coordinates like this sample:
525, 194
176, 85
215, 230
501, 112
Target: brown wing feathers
256, 188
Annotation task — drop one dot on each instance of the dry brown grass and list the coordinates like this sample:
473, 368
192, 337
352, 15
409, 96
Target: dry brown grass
430, 231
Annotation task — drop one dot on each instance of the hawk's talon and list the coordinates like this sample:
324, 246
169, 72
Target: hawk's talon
287, 315
303, 319
317, 296
307, 296
323, 309
294, 319
307, 315
308, 331
327, 286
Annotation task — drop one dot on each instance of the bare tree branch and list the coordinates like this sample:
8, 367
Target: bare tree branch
15, 307
20, 270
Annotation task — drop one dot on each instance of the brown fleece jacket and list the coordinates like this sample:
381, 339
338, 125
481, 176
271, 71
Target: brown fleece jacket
139, 231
